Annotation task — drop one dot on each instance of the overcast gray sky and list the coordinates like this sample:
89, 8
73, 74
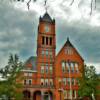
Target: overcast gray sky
18, 28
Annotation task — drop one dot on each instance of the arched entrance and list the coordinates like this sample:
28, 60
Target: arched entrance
26, 95
48, 95
37, 95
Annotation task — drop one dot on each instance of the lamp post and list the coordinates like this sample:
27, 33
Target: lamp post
70, 80
60, 89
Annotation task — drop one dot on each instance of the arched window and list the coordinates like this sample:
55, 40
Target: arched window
42, 81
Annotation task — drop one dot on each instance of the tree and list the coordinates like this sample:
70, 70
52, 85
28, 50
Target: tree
88, 83
9, 73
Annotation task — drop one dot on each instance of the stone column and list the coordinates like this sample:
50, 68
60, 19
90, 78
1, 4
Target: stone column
49, 98
42, 95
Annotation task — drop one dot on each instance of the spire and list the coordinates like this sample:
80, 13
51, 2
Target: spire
68, 42
45, 5
46, 18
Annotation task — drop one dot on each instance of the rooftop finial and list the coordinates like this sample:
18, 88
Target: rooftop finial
67, 38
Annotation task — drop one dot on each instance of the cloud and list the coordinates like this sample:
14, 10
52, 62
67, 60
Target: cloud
18, 28
17, 33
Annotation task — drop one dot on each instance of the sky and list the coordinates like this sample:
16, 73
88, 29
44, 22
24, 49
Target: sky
18, 28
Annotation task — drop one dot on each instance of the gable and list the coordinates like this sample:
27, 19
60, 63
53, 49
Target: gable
68, 51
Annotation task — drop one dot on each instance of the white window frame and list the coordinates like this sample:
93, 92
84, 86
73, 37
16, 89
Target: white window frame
63, 66
46, 68
73, 81
42, 69
29, 74
72, 67
76, 67
29, 81
25, 74
64, 81
42, 52
68, 66
42, 81
51, 69
51, 82
65, 94
46, 82
68, 81
46, 52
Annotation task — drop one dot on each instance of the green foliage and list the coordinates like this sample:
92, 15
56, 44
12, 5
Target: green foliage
9, 73
89, 81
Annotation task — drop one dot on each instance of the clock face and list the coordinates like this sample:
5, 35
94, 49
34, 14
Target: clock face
47, 28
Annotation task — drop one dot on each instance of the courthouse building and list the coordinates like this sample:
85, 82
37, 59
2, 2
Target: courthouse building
48, 76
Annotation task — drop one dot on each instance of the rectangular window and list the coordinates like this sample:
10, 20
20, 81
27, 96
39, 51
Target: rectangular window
30, 81
46, 52
25, 74
64, 81
42, 52
42, 69
73, 81
72, 67
46, 68
75, 93
50, 53
25, 83
29, 74
76, 67
68, 80
46, 82
68, 94
68, 66
51, 82
43, 40
63, 67
50, 40
65, 94
51, 70
46, 40
77, 81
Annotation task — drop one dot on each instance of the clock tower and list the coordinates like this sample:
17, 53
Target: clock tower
46, 45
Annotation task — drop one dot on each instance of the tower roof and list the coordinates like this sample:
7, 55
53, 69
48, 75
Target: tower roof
46, 18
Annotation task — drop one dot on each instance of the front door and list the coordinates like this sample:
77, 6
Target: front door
46, 97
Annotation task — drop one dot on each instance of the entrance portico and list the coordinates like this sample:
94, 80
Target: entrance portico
37, 95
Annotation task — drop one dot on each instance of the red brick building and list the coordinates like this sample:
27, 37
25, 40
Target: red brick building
48, 76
